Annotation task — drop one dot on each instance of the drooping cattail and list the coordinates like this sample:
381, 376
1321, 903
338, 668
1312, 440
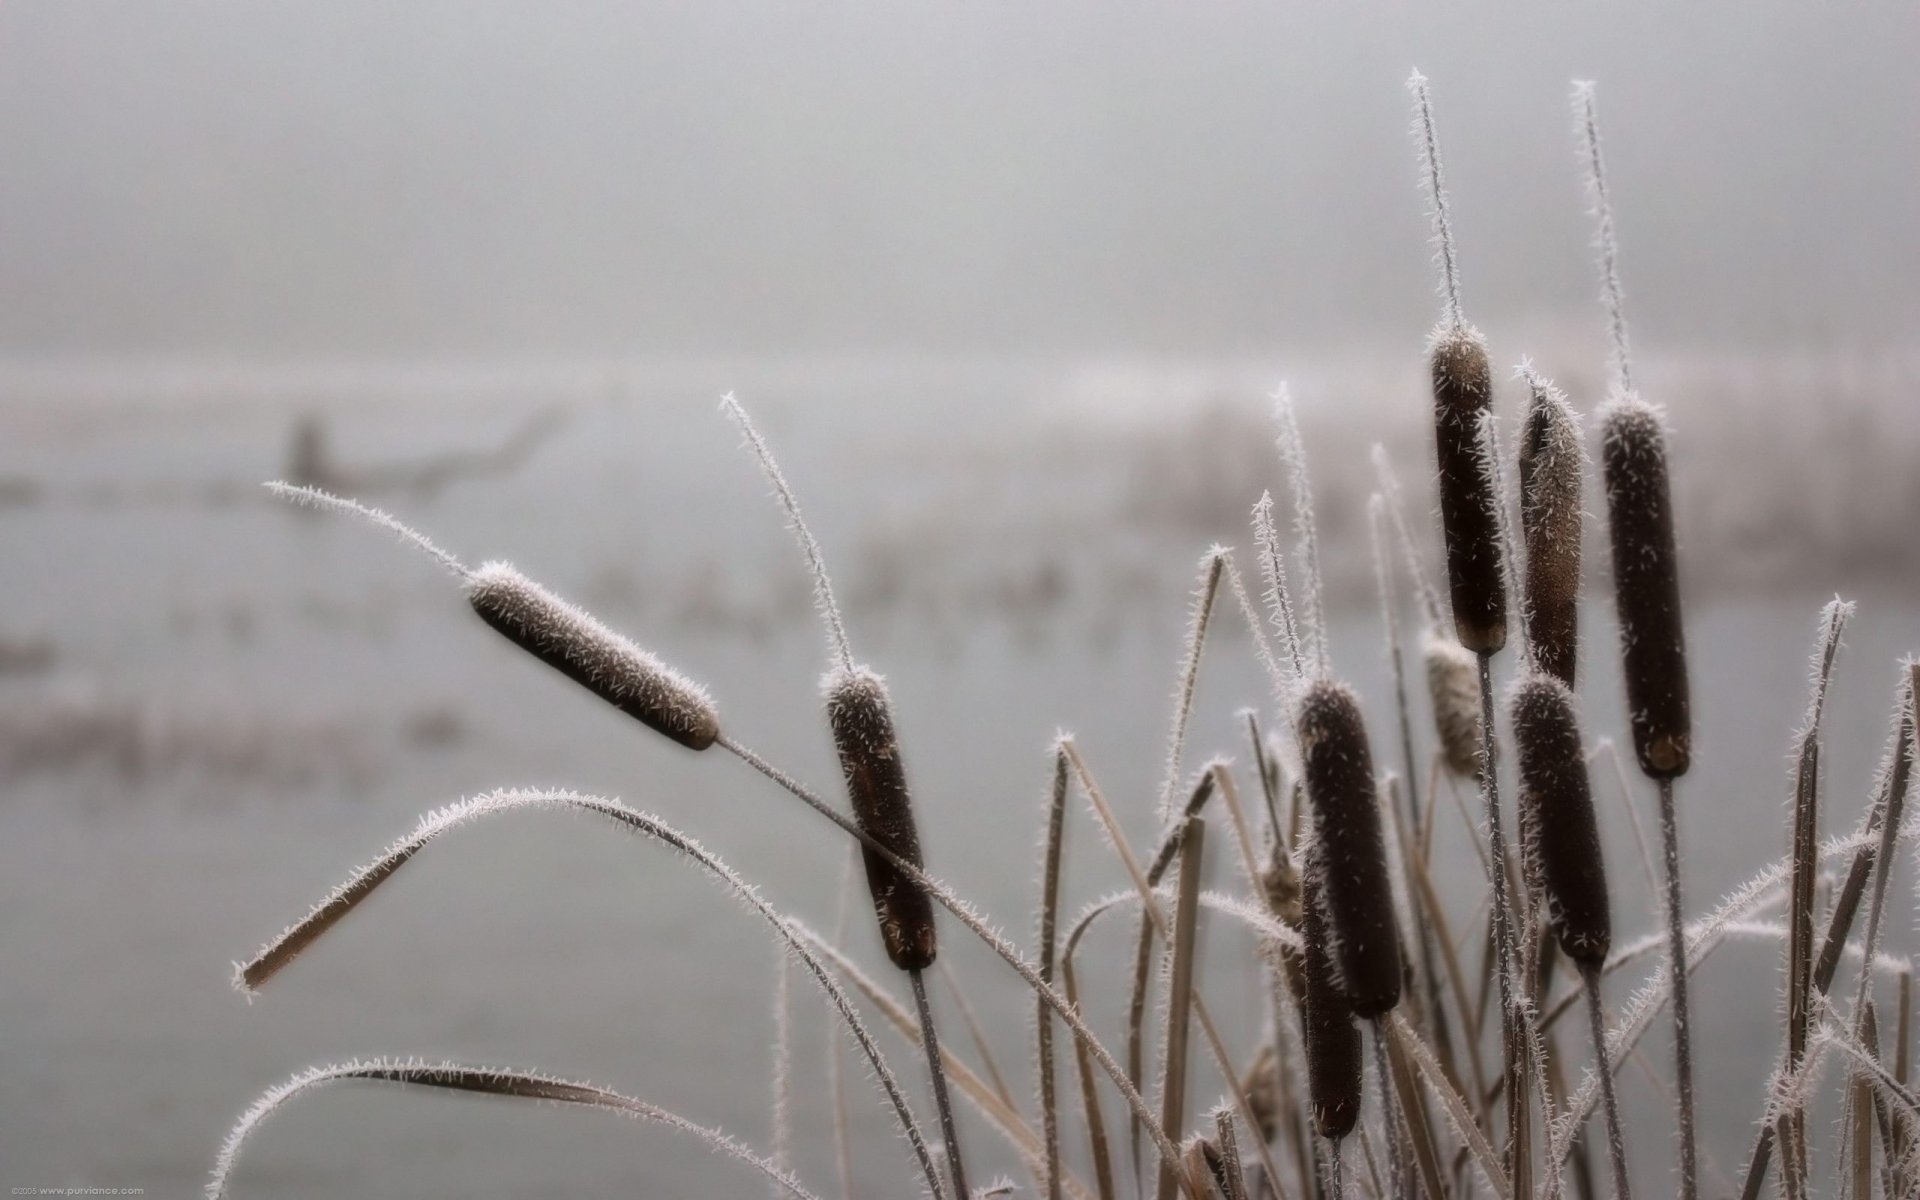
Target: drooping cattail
1453, 685
1551, 467
1332, 1039
861, 717
1560, 838
1356, 887
1646, 584
573, 642
1462, 390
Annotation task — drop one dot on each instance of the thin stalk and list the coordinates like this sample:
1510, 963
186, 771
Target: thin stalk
976, 1033
1173, 1080
930, 1041
1390, 1116
1426, 1157
1519, 1141
1682, 1029
1610, 1101
1049, 926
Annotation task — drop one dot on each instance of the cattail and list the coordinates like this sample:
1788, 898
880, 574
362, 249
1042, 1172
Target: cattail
1462, 390
572, 642
1551, 466
1559, 837
1332, 1039
861, 716
1453, 684
1357, 890
1646, 584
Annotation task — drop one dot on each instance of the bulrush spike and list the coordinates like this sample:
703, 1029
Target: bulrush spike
1646, 584
1560, 837
1356, 889
1332, 1038
1551, 467
573, 642
1453, 685
861, 717
1462, 390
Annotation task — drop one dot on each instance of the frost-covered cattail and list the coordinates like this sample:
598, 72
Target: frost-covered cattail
1462, 391
1356, 887
1453, 685
572, 642
1559, 835
861, 717
1551, 467
1646, 584
1332, 1039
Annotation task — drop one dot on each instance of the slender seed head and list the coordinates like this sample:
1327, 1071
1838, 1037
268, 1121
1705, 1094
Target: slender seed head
573, 642
861, 717
1559, 837
1453, 685
1462, 390
1646, 584
1356, 887
1551, 467
1332, 1039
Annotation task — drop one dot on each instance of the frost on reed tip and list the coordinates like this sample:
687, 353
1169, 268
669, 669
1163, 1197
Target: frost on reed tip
1462, 390
1332, 1039
572, 642
1646, 584
1559, 835
1551, 467
861, 717
1356, 888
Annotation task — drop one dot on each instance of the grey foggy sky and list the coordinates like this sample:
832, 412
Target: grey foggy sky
364, 179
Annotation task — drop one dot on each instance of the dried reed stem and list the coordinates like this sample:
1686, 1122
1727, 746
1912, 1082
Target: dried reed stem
1682, 1025
1597, 1026
1293, 454
348, 896
457, 1077
1513, 1033
783, 1065
1046, 950
1211, 567
1173, 1079
930, 1042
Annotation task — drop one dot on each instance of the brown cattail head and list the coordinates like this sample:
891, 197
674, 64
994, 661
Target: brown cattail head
1558, 834
1356, 891
1646, 584
861, 717
1551, 466
1332, 1039
1462, 390
1453, 685
572, 642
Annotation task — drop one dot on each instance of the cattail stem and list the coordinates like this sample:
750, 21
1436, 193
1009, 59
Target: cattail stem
1173, 1082
1436, 184
930, 1041
1677, 972
1048, 947
1610, 1102
1390, 1116
1505, 953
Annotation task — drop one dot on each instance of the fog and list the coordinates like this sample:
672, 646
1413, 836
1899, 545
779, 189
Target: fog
277, 181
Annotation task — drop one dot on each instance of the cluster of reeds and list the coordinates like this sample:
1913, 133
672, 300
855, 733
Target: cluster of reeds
1340, 887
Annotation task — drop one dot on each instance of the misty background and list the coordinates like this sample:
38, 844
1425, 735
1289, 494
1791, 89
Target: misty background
1009, 288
